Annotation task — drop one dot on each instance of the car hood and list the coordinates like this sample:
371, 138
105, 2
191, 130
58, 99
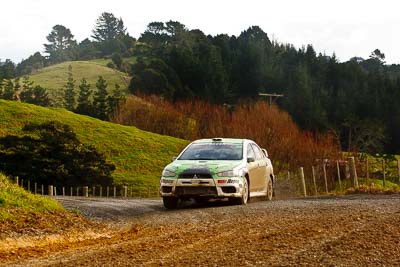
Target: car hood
215, 166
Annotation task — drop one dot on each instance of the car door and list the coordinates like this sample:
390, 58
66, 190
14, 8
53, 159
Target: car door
261, 172
252, 167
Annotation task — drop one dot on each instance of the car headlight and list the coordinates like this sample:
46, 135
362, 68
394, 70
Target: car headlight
167, 181
227, 174
167, 173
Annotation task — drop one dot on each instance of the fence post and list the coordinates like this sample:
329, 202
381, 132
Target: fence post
325, 178
71, 189
55, 191
101, 191
315, 183
108, 191
353, 172
303, 181
29, 185
398, 169
35, 186
115, 191
63, 191
86, 191
367, 171
42, 190
94, 191
384, 174
77, 191
22, 183
338, 175
125, 191
16, 180
50, 191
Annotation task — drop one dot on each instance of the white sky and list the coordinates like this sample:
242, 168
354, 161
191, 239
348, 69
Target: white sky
347, 27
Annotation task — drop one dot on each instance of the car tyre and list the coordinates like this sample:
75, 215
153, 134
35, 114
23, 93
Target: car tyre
170, 202
270, 189
245, 196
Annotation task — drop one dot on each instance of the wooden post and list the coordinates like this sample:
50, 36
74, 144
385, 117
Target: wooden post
17, 180
86, 191
101, 191
71, 189
55, 191
125, 191
353, 172
148, 192
42, 190
77, 191
50, 191
35, 187
367, 171
94, 191
384, 172
63, 191
29, 185
22, 183
108, 191
315, 183
303, 181
338, 175
398, 169
115, 191
325, 178
288, 175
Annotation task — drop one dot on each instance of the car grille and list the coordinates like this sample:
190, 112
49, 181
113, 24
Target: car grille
195, 173
195, 191
166, 189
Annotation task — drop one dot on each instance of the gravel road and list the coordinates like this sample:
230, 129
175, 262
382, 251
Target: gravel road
360, 230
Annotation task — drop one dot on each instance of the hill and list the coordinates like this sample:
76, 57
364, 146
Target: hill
54, 77
139, 156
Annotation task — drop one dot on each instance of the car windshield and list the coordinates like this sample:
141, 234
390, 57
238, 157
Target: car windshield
213, 151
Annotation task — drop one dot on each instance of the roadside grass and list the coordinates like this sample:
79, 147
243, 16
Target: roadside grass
371, 186
53, 78
139, 156
13, 198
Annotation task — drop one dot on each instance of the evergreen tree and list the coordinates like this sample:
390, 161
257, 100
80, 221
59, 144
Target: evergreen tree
69, 92
8, 91
108, 27
61, 42
100, 99
84, 104
114, 99
41, 97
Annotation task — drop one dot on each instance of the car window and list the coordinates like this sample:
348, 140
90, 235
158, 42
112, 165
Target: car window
250, 152
257, 151
213, 151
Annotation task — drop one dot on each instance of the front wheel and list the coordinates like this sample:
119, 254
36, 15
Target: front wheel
270, 189
245, 195
170, 202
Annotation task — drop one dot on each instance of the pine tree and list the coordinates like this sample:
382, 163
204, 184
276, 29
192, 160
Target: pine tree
114, 99
8, 92
69, 93
26, 95
84, 105
100, 99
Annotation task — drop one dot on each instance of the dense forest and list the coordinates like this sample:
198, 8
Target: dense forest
357, 101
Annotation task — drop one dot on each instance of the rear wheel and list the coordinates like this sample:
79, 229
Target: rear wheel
170, 202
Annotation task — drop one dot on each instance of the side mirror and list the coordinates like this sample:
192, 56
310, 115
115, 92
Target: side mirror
250, 160
174, 158
265, 152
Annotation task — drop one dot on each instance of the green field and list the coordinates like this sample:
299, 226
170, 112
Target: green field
139, 156
54, 78
105, 61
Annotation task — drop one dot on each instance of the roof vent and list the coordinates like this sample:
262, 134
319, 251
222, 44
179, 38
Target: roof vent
217, 139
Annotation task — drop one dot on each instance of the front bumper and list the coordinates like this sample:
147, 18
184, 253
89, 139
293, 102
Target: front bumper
210, 188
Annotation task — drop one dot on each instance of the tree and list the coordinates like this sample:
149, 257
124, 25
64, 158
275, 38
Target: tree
52, 154
69, 92
8, 91
61, 41
114, 99
108, 27
84, 104
117, 59
100, 99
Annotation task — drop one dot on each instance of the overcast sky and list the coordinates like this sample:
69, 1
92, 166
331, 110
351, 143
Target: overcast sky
347, 27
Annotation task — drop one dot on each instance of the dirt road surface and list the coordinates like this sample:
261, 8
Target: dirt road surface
361, 230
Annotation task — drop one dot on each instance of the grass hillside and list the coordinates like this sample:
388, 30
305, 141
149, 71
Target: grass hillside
53, 78
139, 156
105, 61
